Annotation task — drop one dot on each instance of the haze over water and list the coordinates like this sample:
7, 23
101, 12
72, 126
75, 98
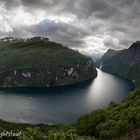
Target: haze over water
65, 104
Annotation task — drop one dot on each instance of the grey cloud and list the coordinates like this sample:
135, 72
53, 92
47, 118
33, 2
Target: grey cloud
60, 32
81, 8
117, 19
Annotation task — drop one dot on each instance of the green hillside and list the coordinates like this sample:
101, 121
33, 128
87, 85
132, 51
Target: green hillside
110, 53
37, 62
125, 63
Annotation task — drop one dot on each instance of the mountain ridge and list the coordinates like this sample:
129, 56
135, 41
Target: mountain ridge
125, 63
38, 62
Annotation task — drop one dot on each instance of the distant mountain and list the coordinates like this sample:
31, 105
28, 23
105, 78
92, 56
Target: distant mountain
38, 62
96, 57
124, 63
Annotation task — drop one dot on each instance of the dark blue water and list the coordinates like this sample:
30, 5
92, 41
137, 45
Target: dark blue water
65, 104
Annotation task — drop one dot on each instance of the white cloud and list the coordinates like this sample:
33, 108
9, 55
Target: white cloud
91, 26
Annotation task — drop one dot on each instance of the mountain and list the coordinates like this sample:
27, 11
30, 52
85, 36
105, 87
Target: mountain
96, 57
38, 62
125, 63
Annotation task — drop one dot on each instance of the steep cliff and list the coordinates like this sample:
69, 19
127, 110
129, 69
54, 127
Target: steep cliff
125, 63
38, 62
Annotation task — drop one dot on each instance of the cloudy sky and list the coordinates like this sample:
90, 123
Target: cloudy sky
90, 26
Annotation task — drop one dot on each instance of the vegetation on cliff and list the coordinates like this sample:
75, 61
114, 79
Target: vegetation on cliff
38, 62
125, 63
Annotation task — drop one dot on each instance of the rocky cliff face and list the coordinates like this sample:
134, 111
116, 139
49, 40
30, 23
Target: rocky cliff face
125, 63
38, 62
30, 77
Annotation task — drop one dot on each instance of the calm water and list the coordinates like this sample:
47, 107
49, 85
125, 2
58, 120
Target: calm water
61, 104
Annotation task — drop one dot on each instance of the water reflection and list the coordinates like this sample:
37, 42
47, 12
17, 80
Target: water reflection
57, 105
106, 88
